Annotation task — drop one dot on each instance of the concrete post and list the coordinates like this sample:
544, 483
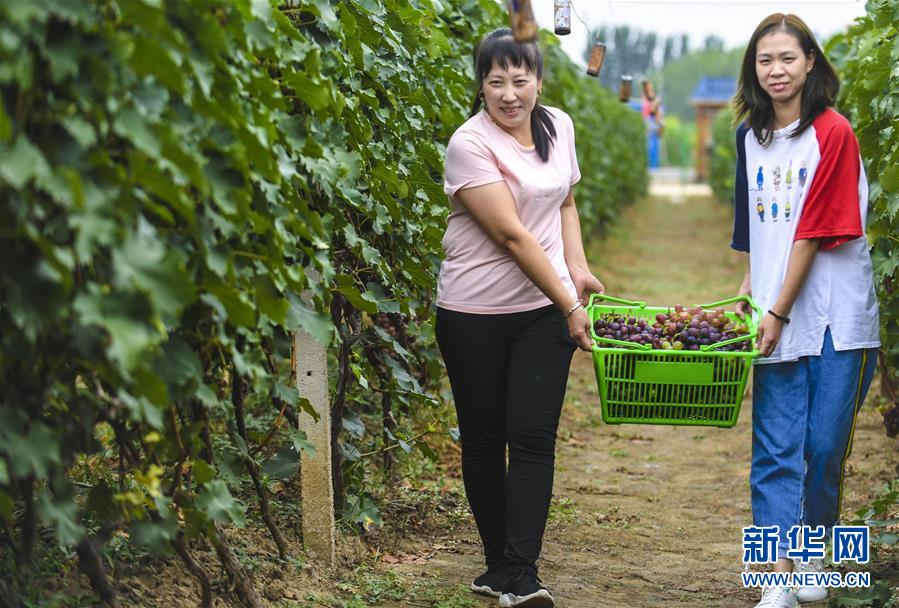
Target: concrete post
316, 487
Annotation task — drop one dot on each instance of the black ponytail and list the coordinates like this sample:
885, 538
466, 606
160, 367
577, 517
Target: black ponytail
543, 130
500, 47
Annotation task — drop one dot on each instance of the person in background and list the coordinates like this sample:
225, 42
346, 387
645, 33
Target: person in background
814, 278
510, 308
651, 110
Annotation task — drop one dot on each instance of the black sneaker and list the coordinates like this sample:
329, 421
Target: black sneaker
492, 582
526, 591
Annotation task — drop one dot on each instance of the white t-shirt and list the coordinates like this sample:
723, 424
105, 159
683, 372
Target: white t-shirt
811, 186
477, 276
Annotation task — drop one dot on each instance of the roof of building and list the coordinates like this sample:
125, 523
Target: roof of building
714, 89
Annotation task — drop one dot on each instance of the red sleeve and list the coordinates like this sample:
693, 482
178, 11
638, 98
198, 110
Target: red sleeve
831, 212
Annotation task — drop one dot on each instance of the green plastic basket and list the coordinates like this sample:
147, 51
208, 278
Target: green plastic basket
644, 386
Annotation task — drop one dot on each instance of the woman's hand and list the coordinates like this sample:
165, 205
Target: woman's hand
579, 329
768, 334
742, 308
578, 321
585, 284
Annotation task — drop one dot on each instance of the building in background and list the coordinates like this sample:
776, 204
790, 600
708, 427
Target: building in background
709, 97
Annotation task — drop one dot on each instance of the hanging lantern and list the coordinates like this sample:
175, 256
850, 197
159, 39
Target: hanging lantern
562, 12
624, 93
521, 18
597, 55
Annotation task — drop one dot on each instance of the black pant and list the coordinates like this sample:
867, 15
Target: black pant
508, 374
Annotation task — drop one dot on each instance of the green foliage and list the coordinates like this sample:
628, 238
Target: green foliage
173, 175
723, 161
866, 57
679, 142
882, 515
878, 595
370, 586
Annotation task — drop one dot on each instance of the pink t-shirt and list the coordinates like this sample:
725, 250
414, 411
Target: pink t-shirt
477, 276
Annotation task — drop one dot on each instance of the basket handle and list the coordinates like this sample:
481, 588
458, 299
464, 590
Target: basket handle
744, 298
750, 336
632, 345
707, 347
602, 296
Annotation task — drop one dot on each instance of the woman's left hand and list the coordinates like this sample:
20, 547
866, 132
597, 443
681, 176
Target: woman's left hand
585, 284
768, 334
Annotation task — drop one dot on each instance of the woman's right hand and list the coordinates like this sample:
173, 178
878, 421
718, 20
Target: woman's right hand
579, 329
742, 308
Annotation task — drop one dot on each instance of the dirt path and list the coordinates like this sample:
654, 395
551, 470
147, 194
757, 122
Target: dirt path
643, 515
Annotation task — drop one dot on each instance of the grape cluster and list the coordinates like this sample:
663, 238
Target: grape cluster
891, 420
681, 329
384, 321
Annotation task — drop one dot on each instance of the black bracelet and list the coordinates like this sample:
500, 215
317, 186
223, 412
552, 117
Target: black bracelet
778, 317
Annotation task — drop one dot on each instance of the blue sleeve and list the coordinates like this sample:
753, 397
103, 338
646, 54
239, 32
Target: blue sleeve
740, 240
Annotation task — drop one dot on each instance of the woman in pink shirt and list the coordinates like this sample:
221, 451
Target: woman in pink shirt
510, 306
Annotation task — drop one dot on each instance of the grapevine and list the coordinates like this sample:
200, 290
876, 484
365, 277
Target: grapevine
174, 175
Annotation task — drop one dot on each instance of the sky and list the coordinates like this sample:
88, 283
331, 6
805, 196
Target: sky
732, 20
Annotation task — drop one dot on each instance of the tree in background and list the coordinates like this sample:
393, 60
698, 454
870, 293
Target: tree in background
677, 79
713, 43
678, 142
633, 52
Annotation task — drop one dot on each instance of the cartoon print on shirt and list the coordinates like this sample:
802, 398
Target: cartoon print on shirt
760, 178
777, 178
760, 208
789, 179
824, 156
